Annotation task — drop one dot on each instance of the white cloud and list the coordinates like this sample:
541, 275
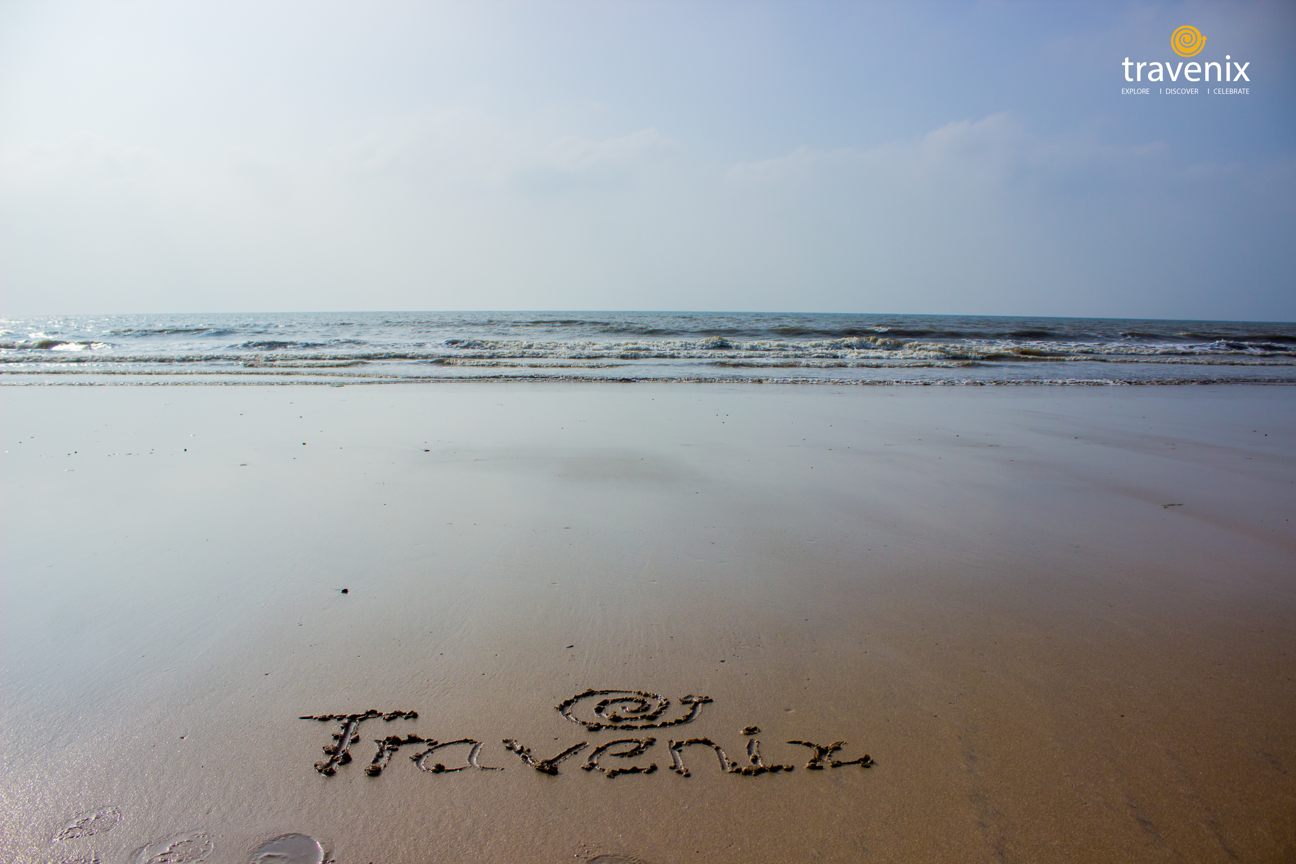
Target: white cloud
575, 155
459, 208
997, 145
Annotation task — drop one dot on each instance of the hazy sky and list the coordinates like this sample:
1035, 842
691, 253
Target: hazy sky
906, 157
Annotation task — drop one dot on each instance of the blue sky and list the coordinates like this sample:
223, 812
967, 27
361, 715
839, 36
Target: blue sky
964, 158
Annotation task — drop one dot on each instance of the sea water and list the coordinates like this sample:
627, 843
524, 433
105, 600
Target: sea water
366, 347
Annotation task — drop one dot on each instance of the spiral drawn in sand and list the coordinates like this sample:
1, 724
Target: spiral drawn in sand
628, 709
1187, 41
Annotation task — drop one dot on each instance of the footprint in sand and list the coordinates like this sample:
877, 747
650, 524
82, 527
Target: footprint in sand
188, 848
97, 821
288, 849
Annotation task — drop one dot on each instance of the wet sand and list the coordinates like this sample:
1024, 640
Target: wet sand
1061, 622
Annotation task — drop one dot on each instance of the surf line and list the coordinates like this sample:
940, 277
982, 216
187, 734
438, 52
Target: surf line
596, 710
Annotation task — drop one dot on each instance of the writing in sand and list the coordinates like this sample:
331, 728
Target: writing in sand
596, 711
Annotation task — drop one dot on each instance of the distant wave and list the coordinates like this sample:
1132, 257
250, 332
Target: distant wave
46, 344
1281, 338
618, 328
285, 344
127, 332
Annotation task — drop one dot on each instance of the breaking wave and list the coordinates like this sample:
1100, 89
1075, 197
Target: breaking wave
660, 346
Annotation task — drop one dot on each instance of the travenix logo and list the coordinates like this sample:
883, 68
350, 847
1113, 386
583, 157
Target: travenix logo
1187, 41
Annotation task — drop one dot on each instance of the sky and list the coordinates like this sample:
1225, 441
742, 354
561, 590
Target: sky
970, 158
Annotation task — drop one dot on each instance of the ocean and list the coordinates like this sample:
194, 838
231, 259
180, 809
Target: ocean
373, 347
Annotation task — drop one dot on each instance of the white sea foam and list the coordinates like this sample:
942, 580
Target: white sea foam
653, 346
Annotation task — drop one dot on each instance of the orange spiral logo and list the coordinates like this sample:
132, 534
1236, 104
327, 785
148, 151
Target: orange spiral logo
1187, 41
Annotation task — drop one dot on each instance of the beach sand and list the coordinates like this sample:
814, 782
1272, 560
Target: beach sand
1060, 621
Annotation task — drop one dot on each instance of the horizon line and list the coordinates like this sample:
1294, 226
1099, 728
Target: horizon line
645, 311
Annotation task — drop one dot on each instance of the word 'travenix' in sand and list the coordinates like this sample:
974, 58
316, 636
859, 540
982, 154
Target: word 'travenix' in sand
607, 710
